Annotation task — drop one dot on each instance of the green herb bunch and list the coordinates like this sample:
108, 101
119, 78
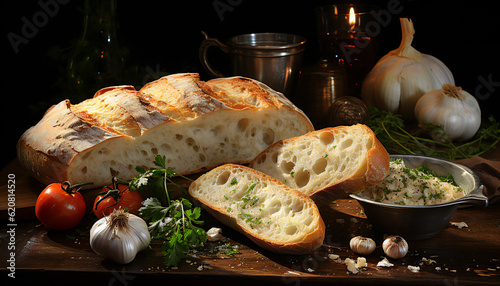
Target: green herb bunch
397, 138
173, 220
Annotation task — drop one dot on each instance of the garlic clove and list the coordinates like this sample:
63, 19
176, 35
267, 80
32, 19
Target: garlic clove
395, 246
362, 245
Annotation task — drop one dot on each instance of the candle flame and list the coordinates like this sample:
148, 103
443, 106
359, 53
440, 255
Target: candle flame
352, 17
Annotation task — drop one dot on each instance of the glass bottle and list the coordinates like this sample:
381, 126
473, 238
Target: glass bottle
100, 57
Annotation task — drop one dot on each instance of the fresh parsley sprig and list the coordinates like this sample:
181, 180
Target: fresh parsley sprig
177, 224
172, 220
156, 180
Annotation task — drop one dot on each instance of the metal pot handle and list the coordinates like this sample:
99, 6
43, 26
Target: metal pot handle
207, 43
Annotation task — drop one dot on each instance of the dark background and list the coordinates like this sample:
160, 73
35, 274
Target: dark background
164, 37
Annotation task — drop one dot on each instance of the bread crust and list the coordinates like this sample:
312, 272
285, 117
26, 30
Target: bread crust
47, 148
67, 132
310, 242
376, 169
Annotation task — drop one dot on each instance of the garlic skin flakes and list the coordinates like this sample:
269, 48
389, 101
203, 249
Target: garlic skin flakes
384, 263
460, 225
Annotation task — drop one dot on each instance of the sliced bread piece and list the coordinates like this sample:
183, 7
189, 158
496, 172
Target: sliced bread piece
269, 213
327, 164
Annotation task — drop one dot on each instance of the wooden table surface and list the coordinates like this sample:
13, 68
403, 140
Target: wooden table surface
467, 256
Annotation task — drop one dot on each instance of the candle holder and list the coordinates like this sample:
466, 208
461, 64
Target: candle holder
345, 38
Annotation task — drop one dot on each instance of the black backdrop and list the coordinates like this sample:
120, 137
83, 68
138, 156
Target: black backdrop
164, 37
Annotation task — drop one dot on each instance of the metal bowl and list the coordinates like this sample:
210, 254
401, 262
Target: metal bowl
423, 222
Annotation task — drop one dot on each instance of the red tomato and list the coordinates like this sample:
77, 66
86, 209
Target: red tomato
114, 197
60, 206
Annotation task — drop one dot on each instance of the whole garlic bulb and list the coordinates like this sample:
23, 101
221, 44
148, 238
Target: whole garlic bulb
402, 76
362, 245
119, 236
395, 246
453, 108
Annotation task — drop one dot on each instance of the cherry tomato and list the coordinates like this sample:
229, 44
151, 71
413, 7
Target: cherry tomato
114, 197
60, 206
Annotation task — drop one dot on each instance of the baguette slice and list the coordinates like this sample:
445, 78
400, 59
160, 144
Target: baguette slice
327, 164
196, 125
269, 213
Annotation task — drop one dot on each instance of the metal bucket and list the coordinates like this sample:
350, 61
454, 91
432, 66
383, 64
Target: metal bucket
272, 58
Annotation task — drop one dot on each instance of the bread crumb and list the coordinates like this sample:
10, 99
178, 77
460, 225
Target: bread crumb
351, 266
355, 266
335, 257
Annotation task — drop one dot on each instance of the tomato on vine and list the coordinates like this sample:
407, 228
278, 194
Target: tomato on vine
114, 197
60, 206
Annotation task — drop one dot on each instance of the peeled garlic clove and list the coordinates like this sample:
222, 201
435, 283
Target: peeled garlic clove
395, 246
362, 245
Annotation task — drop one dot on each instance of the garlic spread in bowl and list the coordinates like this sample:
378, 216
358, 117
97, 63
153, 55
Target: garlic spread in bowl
413, 186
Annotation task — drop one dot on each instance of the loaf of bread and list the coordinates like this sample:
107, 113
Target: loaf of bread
269, 213
327, 164
197, 125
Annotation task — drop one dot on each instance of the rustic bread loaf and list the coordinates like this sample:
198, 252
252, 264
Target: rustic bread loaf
197, 125
272, 215
327, 164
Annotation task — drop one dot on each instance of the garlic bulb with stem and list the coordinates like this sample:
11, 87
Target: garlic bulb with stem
451, 107
362, 245
119, 236
395, 246
402, 76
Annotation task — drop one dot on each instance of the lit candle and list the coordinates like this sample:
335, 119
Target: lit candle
352, 17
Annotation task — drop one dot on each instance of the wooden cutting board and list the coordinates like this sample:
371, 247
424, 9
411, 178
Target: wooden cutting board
15, 179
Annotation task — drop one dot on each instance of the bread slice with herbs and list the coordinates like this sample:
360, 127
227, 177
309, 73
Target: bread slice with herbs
269, 213
327, 164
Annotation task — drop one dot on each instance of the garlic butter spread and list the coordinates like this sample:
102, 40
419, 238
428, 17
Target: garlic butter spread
414, 187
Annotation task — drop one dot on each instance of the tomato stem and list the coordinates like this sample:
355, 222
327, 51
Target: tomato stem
68, 188
112, 191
